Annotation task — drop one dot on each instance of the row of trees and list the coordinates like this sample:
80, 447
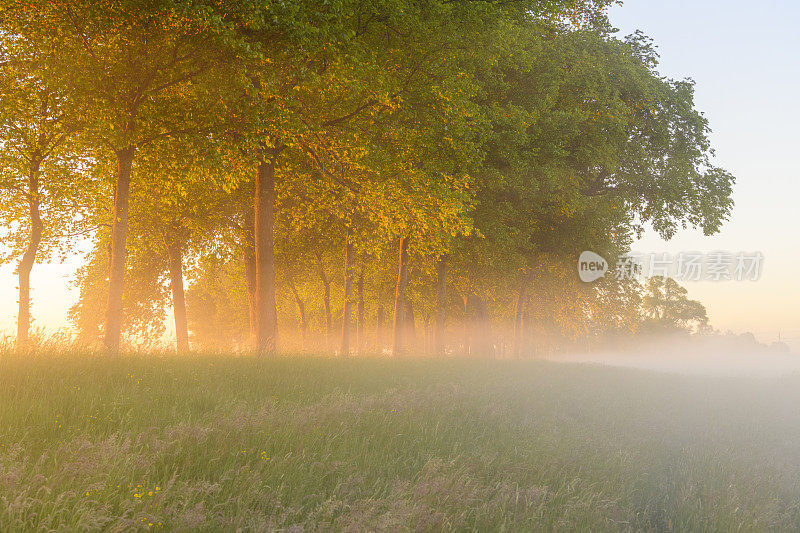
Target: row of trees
452, 157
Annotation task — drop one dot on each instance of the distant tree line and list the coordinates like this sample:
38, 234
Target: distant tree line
358, 176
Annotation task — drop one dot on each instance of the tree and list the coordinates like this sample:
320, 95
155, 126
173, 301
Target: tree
175, 203
667, 308
44, 176
587, 144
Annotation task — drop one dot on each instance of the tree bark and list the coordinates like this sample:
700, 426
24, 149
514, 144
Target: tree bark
264, 210
441, 305
178, 295
344, 347
326, 300
398, 347
119, 253
29, 257
518, 312
248, 239
410, 326
360, 316
301, 310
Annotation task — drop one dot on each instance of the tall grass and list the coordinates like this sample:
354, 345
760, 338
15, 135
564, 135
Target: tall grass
210, 443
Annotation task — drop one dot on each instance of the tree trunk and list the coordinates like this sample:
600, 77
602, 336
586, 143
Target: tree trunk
118, 255
178, 295
360, 316
410, 326
248, 239
301, 310
344, 348
326, 300
518, 312
441, 305
264, 209
429, 324
29, 257
400, 299
379, 319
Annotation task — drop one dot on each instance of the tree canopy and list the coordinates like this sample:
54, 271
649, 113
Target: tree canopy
304, 168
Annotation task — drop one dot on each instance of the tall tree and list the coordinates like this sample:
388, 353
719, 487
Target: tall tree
45, 180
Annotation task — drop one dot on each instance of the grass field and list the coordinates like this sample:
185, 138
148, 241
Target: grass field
215, 443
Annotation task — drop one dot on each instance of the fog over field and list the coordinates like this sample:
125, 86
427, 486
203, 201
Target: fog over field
698, 361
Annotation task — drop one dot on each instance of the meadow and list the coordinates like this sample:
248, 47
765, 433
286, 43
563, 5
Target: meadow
310, 443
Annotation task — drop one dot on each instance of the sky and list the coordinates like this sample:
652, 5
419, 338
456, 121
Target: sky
743, 56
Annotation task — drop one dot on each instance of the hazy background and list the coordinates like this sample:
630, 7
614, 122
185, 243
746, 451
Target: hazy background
743, 57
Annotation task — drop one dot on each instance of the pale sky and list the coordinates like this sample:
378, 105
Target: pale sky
744, 57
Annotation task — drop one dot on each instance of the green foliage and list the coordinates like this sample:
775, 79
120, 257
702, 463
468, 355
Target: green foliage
506, 136
41, 165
